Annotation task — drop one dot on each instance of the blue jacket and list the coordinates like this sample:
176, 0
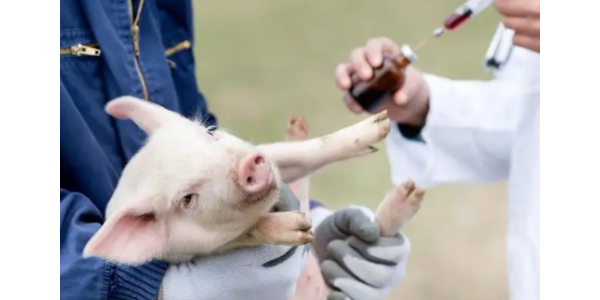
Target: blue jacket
94, 147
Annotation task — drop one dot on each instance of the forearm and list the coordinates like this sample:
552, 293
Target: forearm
310, 284
93, 278
467, 135
478, 105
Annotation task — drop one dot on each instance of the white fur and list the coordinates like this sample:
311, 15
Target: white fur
147, 211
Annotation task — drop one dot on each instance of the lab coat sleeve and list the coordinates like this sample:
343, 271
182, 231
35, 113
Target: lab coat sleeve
468, 133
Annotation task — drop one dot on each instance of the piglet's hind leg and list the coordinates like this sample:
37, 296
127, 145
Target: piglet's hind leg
297, 130
398, 207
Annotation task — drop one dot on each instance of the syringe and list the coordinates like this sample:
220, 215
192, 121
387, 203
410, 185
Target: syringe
463, 13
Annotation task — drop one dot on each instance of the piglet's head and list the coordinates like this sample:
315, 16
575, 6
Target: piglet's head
188, 191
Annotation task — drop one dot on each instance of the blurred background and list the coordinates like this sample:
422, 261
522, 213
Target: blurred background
261, 61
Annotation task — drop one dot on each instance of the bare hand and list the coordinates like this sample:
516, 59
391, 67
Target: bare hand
407, 105
523, 16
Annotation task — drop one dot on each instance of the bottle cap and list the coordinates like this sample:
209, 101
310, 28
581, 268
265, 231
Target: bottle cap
408, 53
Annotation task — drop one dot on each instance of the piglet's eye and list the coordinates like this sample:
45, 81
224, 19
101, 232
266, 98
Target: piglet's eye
189, 201
211, 130
213, 133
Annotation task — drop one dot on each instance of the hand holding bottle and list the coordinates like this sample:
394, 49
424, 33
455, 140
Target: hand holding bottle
408, 104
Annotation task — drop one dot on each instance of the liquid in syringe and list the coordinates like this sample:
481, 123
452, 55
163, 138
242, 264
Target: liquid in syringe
463, 13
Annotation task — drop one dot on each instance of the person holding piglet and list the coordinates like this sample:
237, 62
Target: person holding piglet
142, 48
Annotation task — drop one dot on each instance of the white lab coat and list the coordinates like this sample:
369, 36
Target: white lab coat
481, 131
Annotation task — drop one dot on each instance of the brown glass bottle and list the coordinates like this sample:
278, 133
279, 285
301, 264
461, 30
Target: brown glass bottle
387, 79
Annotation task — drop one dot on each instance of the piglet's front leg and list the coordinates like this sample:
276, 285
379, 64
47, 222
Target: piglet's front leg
297, 159
292, 228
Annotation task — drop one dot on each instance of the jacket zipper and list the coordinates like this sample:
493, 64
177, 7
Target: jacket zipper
81, 50
135, 33
176, 48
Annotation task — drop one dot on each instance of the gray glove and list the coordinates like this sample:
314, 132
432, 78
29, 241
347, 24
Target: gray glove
356, 262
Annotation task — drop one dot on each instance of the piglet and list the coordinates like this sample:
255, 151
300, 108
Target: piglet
191, 191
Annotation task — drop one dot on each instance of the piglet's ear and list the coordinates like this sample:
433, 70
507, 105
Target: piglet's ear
147, 115
132, 236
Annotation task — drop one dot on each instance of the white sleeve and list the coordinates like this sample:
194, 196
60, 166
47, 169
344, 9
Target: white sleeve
468, 133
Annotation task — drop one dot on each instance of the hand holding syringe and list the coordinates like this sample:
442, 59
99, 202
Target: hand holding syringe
390, 76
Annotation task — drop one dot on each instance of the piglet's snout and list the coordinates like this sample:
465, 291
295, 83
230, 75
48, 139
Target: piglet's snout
255, 174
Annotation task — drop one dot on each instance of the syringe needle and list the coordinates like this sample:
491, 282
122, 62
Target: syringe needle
436, 33
421, 44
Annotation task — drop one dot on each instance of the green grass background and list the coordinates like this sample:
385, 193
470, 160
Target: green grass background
261, 61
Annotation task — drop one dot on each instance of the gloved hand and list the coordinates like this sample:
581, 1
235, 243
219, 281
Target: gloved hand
356, 262
266, 272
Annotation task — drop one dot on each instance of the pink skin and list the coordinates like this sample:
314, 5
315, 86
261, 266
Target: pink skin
188, 192
183, 194
255, 174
